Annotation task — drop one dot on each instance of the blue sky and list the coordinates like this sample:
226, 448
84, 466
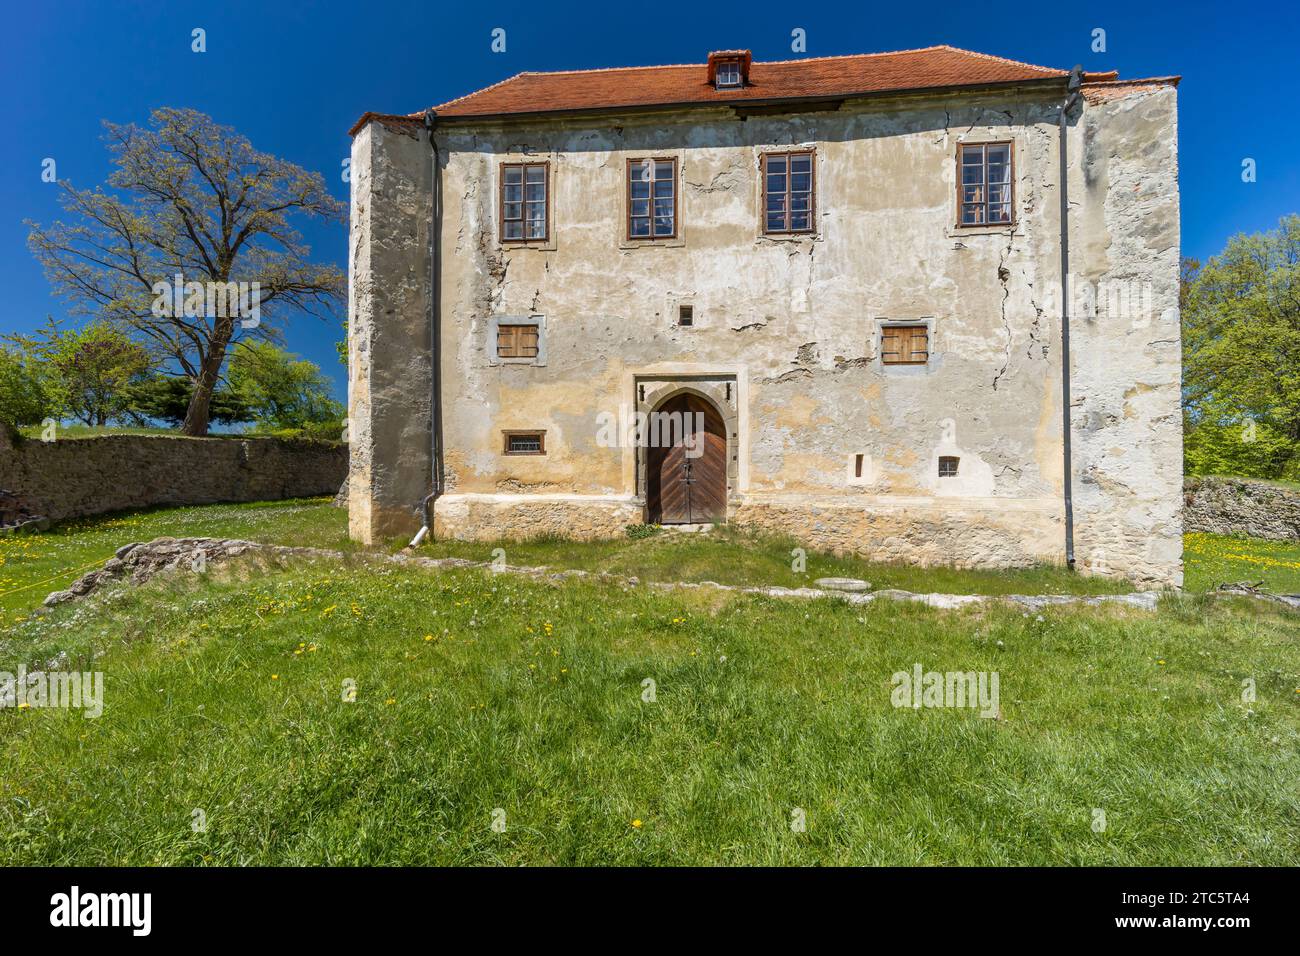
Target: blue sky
293, 76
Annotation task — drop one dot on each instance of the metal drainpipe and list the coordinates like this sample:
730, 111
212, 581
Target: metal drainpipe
1072, 97
435, 359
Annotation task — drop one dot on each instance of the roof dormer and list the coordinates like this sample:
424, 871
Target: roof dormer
729, 69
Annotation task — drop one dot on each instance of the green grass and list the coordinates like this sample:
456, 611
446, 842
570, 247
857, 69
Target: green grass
33, 565
732, 556
478, 691
1285, 483
1213, 559
95, 431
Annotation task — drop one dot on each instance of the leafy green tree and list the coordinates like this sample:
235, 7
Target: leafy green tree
95, 366
25, 397
191, 198
167, 398
284, 391
1246, 448
84, 373
1241, 356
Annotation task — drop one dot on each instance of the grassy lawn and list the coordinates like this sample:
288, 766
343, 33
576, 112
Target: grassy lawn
1214, 559
732, 556
1277, 482
33, 565
95, 431
477, 692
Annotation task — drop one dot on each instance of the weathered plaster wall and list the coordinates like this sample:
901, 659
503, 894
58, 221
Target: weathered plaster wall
793, 325
389, 354
71, 477
1128, 426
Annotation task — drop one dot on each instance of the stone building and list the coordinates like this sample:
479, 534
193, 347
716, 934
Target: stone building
841, 276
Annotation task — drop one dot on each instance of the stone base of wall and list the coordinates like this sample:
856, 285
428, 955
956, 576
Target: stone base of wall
1237, 506
928, 532
988, 533
517, 517
72, 477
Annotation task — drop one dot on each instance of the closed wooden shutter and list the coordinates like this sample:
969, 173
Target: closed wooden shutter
517, 341
904, 345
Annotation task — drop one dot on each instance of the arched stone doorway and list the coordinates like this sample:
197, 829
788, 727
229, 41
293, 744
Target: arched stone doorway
686, 462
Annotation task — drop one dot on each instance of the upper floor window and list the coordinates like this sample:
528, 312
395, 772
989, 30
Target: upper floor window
984, 183
524, 202
729, 69
651, 198
789, 196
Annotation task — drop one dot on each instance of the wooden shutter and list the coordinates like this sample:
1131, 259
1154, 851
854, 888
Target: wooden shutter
904, 345
516, 341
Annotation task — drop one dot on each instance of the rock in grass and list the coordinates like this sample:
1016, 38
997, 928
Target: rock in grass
843, 584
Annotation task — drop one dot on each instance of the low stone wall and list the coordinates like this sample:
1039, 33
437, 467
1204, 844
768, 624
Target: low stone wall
71, 477
1238, 506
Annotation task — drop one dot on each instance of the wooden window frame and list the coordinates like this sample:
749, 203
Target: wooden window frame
740, 73
523, 203
1011, 185
627, 206
812, 192
538, 433
537, 341
888, 327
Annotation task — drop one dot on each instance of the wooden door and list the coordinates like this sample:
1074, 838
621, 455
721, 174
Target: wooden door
686, 477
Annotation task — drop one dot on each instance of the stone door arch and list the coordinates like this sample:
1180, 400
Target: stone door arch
677, 487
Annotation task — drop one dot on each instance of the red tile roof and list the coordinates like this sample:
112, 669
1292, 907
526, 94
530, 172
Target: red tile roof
1100, 91
830, 77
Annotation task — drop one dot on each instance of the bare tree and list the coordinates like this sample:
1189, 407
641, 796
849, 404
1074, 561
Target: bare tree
194, 199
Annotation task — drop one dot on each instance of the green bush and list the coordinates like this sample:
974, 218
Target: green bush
1247, 449
25, 396
331, 431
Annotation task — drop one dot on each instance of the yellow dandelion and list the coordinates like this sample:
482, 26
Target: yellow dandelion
275, 677
636, 824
